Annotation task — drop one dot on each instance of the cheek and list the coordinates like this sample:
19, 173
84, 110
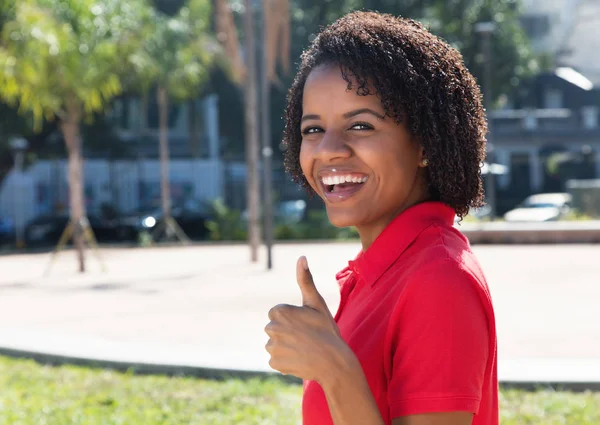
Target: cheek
392, 165
306, 162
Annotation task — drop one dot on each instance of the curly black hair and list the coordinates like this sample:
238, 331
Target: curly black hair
420, 80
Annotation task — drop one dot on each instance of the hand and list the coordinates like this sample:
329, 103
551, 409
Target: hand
305, 341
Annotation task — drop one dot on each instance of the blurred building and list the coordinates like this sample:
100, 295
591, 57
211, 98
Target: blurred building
547, 133
122, 170
547, 23
549, 130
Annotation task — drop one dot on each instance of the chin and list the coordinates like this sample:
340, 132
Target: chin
341, 218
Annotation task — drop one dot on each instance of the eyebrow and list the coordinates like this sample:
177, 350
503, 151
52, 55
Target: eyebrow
347, 115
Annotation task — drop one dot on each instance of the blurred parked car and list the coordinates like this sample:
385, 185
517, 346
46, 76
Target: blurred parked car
190, 216
47, 229
286, 212
541, 207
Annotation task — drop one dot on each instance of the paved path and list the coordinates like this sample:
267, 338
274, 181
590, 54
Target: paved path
206, 306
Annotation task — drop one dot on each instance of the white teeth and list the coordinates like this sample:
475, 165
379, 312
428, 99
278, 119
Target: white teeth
333, 180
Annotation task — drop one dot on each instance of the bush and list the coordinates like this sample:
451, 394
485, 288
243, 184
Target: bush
316, 226
286, 232
576, 215
226, 223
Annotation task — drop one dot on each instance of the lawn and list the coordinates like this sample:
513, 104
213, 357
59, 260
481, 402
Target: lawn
42, 395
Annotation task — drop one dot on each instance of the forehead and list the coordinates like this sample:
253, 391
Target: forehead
326, 87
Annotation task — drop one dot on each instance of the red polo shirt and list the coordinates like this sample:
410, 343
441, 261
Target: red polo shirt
416, 310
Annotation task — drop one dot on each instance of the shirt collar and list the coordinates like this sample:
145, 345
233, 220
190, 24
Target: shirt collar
397, 237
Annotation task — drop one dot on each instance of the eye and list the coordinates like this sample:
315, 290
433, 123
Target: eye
311, 130
361, 126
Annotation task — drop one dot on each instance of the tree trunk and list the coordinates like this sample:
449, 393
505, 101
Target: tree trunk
252, 180
70, 130
165, 194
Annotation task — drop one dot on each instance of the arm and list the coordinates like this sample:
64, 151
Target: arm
348, 394
446, 418
351, 402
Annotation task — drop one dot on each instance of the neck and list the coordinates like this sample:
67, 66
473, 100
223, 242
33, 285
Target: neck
369, 232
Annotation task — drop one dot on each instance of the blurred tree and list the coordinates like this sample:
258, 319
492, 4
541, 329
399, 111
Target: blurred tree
512, 58
64, 58
452, 20
174, 60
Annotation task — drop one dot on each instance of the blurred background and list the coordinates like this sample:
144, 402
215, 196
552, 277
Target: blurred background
150, 131
534, 60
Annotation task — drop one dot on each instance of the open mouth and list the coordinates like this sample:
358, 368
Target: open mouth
341, 187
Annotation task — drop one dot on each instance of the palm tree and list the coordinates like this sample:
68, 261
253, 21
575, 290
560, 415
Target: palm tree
174, 59
64, 58
275, 47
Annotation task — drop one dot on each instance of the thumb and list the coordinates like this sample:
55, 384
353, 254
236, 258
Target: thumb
310, 295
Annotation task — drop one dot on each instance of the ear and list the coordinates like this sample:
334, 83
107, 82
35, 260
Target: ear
422, 157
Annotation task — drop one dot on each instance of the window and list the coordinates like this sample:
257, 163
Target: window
589, 115
553, 99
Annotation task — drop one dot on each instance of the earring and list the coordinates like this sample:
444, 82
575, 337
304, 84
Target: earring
425, 162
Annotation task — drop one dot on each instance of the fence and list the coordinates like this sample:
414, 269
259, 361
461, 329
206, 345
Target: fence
129, 185
124, 184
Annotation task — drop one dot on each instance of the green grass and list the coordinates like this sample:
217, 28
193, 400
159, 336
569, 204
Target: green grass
42, 395
31, 394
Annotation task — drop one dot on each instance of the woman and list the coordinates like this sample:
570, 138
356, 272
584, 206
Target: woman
385, 124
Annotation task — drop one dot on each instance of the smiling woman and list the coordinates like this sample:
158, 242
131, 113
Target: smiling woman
385, 125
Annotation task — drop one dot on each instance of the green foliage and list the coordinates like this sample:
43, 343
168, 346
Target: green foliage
285, 232
144, 239
176, 52
512, 58
547, 407
576, 215
316, 226
226, 223
452, 20
34, 394
62, 54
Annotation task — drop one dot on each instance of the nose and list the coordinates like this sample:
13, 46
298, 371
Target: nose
332, 146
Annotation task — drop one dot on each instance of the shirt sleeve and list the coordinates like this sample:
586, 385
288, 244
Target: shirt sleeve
439, 341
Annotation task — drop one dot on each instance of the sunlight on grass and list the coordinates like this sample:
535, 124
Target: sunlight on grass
42, 395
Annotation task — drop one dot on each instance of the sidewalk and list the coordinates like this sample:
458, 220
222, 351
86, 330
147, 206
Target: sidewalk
196, 309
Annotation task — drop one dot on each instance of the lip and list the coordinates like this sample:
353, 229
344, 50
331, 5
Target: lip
341, 194
331, 171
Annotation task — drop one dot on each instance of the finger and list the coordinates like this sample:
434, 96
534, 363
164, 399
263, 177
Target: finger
310, 294
269, 346
273, 329
283, 312
278, 366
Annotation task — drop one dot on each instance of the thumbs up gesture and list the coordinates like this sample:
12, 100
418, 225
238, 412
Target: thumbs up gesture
305, 341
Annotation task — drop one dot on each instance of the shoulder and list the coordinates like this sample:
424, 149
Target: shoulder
445, 295
445, 251
443, 267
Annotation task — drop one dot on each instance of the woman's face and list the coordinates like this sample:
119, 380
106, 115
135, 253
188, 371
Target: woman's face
365, 167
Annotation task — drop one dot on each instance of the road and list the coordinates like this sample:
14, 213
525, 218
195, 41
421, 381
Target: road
207, 305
